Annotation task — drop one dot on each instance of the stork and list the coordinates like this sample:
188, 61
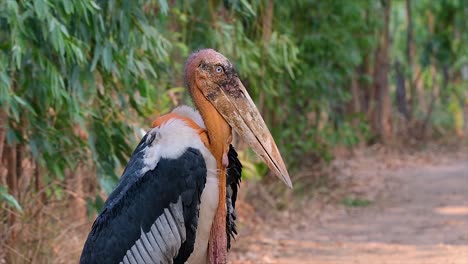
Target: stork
176, 198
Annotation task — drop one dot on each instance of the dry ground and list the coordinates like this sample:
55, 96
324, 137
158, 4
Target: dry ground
418, 214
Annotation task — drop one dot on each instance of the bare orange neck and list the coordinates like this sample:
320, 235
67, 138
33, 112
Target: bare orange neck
218, 130
220, 136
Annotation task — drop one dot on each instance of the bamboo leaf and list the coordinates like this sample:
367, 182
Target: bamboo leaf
164, 6
9, 199
24, 104
95, 5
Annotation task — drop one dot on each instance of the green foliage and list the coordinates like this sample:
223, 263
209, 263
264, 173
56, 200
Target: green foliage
79, 78
333, 38
86, 65
94, 205
252, 167
103, 66
298, 68
441, 51
355, 202
9, 199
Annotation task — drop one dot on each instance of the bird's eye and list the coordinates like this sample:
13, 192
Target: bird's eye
219, 69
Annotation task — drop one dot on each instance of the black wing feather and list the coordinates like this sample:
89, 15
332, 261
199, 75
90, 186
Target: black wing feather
233, 179
139, 200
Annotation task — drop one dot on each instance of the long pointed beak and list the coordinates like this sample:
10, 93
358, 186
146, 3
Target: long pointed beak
240, 112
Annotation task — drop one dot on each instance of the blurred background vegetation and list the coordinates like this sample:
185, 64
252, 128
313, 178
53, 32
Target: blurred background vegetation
79, 80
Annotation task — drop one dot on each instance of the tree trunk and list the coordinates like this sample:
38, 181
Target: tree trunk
410, 54
267, 20
3, 126
38, 184
421, 95
401, 91
76, 193
381, 114
9, 159
10, 156
355, 105
365, 91
19, 167
434, 90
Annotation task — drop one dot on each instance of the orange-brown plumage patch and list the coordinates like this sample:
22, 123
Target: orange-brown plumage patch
201, 131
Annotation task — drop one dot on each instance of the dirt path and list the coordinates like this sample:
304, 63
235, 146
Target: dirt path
421, 216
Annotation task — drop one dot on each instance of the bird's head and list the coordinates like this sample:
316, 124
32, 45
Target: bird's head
214, 76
